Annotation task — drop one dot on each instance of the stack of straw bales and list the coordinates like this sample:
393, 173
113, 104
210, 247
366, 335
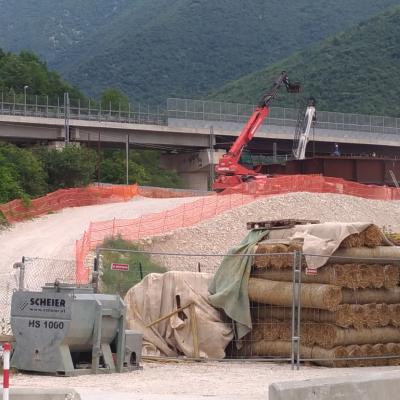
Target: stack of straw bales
351, 308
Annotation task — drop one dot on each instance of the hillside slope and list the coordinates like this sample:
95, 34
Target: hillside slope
49, 27
165, 48
356, 71
153, 49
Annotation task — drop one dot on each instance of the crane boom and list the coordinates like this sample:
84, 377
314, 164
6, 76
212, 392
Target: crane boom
229, 171
305, 124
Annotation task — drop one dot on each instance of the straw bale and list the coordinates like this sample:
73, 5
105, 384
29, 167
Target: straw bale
355, 316
370, 237
352, 276
324, 335
268, 255
262, 330
365, 255
353, 240
394, 313
313, 295
327, 357
367, 296
328, 336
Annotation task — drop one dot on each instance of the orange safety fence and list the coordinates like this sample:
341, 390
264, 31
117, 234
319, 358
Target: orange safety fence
152, 224
16, 210
161, 193
210, 206
314, 183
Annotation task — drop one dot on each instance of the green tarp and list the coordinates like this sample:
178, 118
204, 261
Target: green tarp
229, 288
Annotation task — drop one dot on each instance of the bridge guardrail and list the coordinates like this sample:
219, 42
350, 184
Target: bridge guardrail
45, 107
232, 112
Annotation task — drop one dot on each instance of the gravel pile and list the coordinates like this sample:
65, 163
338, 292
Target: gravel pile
219, 234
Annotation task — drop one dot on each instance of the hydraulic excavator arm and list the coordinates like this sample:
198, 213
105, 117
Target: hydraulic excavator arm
229, 171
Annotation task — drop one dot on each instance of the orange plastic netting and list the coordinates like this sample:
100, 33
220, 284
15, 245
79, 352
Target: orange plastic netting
210, 206
16, 210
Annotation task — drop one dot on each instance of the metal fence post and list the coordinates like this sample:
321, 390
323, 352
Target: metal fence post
296, 317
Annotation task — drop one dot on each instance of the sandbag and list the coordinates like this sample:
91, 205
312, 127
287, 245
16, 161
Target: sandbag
326, 297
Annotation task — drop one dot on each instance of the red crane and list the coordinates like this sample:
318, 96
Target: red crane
228, 170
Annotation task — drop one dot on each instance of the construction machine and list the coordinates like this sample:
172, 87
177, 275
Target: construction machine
229, 171
305, 123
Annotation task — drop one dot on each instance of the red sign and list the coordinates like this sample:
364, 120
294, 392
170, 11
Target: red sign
119, 267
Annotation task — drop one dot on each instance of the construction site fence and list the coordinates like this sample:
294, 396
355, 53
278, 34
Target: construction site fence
19, 210
208, 207
35, 274
284, 325
316, 184
149, 225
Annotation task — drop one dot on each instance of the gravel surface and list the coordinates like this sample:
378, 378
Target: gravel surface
224, 380
53, 236
219, 234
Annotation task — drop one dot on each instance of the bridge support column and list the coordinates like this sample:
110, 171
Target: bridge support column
193, 168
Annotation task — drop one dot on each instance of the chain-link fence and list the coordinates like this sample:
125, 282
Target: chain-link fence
31, 274
346, 313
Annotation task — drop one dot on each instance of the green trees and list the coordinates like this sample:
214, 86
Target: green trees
70, 167
114, 99
32, 173
21, 174
140, 265
26, 69
353, 72
144, 168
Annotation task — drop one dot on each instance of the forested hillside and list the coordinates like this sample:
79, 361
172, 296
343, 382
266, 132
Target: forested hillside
26, 69
50, 27
153, 49
356, 71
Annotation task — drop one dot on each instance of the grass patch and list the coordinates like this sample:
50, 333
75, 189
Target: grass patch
140, 265
3, 220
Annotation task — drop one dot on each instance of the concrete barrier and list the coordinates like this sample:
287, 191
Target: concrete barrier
42, 394
363, 386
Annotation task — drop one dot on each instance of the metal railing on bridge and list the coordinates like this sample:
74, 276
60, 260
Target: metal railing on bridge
53, 107
233, 112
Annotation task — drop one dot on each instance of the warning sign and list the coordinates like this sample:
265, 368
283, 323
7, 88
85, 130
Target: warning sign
119, 267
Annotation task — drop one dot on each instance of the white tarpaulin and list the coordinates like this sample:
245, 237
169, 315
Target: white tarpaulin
156, 296
320, 241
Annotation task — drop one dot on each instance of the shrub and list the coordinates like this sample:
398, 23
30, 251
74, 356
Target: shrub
140, 265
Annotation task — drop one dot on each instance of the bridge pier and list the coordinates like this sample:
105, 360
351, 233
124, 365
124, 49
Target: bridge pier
194, 168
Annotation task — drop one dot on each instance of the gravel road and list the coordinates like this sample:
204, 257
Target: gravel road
186, 381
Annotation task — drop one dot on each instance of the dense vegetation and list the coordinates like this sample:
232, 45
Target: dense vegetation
153, 49
30, 173
140, 265
356, 71
26, 69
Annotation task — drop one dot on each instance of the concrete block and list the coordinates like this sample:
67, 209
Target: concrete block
363, 386
42, 394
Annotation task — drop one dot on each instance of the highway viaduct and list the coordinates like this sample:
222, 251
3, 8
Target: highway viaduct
193, 134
